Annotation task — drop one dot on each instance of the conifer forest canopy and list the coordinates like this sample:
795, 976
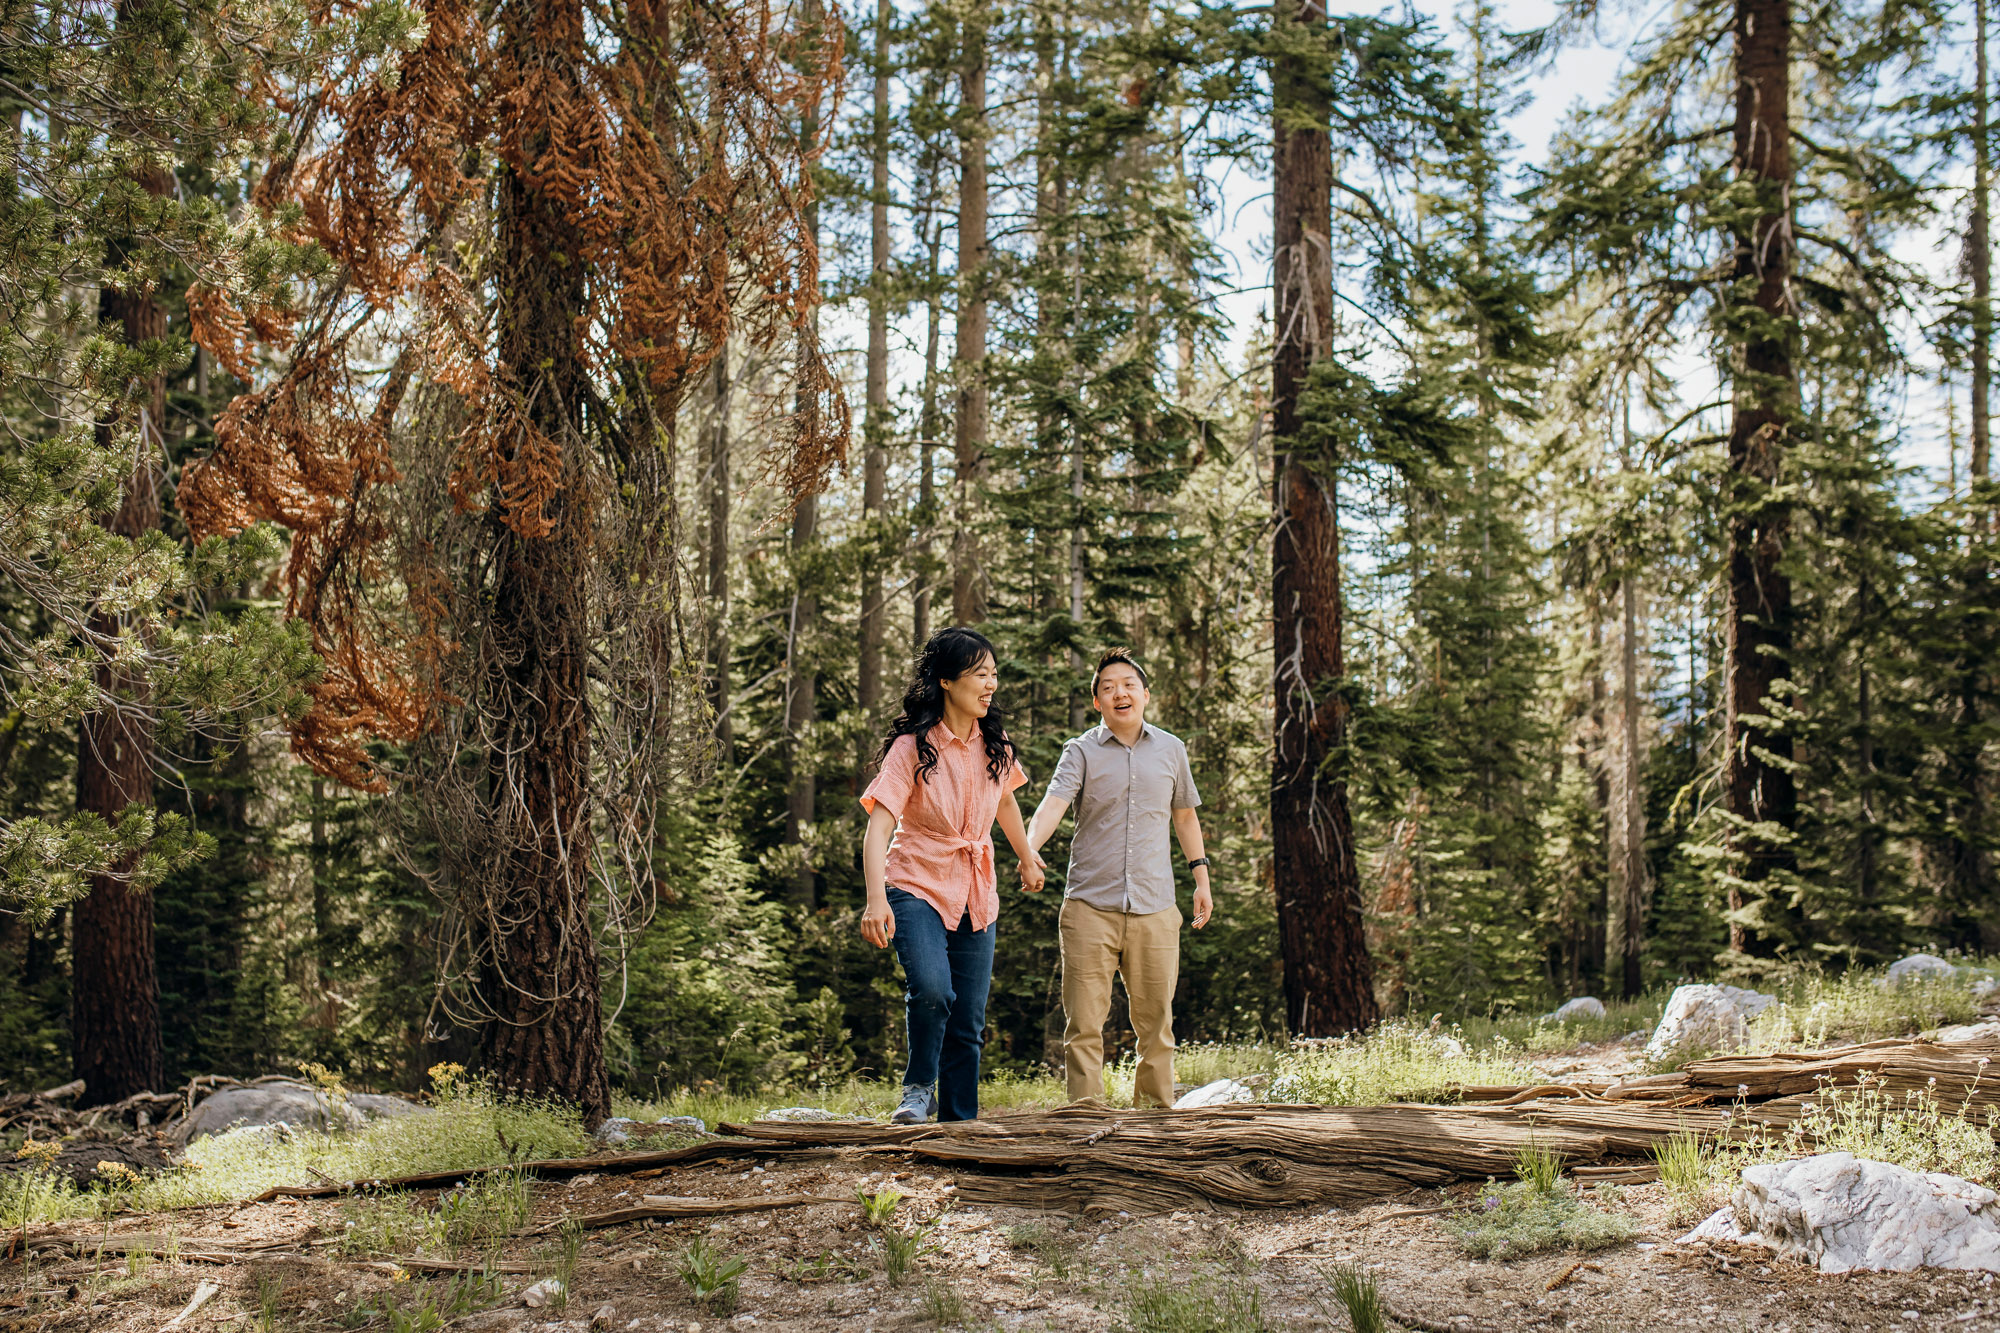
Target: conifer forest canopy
475, 476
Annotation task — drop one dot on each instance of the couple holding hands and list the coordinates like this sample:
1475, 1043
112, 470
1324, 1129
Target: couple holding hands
947, 770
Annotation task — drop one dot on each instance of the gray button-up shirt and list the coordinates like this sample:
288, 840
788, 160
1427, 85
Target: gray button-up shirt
1124, 798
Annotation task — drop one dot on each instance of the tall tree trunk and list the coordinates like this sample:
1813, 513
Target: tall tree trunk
1979, 257
716, 479
1758, 786
875, 464
1597, 757
968, 577
927, 442
801, 698
115, 1004
546, 1034
1329, 978
1631, 809
802, 675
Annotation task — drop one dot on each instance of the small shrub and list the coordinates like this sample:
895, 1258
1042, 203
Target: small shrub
1914, 1130
1354, 1287
879, 1207
900, 1250
1167, 1304
713, 1279
1518, 1220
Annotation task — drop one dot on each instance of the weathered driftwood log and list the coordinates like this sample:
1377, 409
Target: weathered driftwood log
1264, 1156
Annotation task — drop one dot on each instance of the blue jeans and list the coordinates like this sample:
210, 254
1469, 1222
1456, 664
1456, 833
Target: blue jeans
948, 973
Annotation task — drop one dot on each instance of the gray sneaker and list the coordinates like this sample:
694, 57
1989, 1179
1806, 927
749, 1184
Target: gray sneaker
917, 1106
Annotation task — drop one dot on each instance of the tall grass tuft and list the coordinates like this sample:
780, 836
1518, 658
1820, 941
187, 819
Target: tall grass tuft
1354, 1287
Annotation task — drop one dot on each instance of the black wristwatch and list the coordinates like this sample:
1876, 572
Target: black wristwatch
1197, 863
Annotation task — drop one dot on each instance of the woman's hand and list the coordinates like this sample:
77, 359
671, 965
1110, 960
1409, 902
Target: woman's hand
878, 923
1034, 873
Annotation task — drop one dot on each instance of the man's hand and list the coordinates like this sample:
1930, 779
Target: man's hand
1204, 906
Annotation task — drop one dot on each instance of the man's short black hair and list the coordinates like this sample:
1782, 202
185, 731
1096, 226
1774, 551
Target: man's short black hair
1112, 657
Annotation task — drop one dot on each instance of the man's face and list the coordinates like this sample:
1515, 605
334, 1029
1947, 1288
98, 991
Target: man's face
1121, 695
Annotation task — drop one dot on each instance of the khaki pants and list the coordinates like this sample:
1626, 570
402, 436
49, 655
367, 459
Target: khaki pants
1096, 945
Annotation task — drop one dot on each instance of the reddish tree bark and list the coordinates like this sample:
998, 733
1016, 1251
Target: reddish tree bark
115, 990
545, 1036
1329, 977
1758, 785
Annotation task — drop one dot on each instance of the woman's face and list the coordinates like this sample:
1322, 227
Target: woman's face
973, 692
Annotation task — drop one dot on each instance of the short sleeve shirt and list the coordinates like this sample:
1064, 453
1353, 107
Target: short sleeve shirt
1124, 797
943, 849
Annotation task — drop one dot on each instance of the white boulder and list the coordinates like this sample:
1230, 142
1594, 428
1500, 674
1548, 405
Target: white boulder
1968, 1032
1705, 1018
1222, 1092
291, 1104
1843, 1213
1583, 1006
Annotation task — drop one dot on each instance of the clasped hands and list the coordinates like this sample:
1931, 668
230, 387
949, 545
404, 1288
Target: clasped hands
1034, 873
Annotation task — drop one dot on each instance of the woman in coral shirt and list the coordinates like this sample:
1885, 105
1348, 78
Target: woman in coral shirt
947, 770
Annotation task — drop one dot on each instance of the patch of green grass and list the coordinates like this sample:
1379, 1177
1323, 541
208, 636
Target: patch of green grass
1396, 1062
713, 1279
482, 1211
557, 1259
469, 1129
1815, 1009
428, 1307
1166, 1303
1516, 1220
1687, 1174
34, 1197
1354, 1288
900, 1249
1539, 1168
1054, 1250
943, 1304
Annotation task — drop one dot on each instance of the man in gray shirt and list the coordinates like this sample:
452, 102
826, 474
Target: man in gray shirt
1130, 783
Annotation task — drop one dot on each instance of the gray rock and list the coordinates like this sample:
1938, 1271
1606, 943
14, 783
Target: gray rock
1583, 1006
1917, 965
615, 1132
689, 1124
1705, 1018
1968, 1032
812, 1114
1844, 1213
295, 1105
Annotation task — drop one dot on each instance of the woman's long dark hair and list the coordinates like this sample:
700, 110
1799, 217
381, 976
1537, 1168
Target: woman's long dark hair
949, 654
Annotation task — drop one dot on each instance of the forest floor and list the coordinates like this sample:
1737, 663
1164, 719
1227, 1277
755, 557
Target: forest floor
333, 1264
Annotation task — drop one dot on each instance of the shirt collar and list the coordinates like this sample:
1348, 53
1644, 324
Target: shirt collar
1106, 736
942, 735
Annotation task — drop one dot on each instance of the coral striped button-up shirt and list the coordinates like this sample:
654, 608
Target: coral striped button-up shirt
943, 849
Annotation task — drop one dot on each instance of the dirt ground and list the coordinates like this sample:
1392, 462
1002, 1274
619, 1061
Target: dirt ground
821, 1268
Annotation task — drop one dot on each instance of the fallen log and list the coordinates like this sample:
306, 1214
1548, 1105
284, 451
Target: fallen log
553, 1168
1252, 1156
667, 1207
